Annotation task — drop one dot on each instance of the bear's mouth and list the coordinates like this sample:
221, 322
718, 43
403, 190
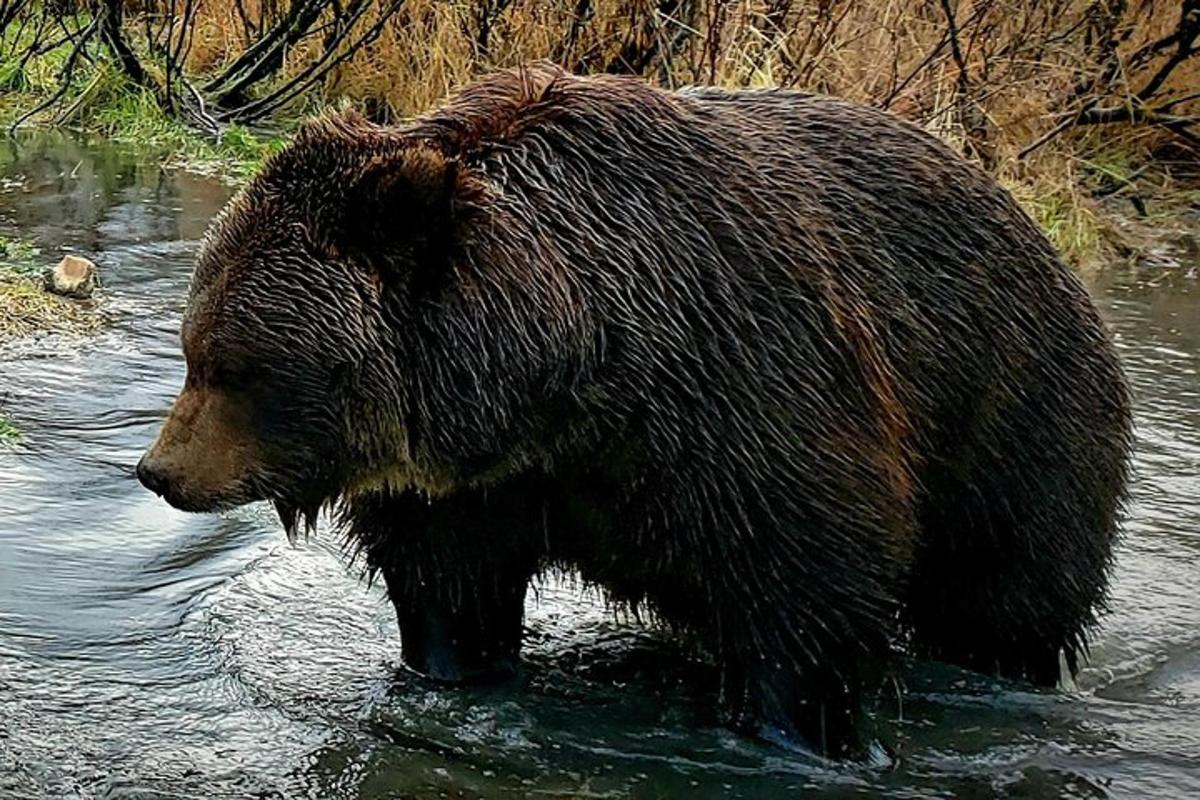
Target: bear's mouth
183, 498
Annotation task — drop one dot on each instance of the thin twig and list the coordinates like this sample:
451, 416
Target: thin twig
266, 55
1056, 130
318, 69
65, 81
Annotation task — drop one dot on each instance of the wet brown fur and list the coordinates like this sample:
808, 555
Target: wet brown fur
780, 366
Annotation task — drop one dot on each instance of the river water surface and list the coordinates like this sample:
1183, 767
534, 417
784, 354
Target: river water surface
147, 653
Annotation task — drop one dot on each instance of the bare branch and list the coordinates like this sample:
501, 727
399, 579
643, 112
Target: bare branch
67, 77
1186, 35
265, 56
319, 68
109, 15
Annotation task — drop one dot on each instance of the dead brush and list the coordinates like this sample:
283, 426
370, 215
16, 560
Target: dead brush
1027, 89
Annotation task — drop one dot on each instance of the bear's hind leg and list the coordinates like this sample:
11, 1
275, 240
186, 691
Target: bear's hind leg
1020, 511
1009, 577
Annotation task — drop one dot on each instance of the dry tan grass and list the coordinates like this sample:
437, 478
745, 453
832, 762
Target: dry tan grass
1015, 70
1019, 57
26, 308
1016, 64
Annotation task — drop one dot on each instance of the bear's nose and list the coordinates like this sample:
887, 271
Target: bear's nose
152, 476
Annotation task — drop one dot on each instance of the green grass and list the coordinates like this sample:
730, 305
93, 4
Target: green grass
1112, 164
128, 115
122, 113
23, 86
1070, 221
12, 77
102, 102
18, 258
8, 431
1071, 225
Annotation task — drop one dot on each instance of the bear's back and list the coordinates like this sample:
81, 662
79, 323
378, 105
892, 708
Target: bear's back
777, 232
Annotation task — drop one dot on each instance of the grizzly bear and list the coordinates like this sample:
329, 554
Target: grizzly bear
781, 368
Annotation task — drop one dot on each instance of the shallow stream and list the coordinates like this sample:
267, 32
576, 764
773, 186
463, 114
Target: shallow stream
147, 653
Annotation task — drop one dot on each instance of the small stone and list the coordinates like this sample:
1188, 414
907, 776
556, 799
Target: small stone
75, 276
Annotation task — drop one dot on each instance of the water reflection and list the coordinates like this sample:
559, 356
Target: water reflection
148, 653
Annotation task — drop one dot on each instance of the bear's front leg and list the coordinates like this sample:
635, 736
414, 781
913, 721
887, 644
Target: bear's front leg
456, 570
470, 634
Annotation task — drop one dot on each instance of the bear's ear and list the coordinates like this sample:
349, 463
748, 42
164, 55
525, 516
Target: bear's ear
404, 212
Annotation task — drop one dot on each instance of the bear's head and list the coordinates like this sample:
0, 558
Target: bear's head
343, 332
